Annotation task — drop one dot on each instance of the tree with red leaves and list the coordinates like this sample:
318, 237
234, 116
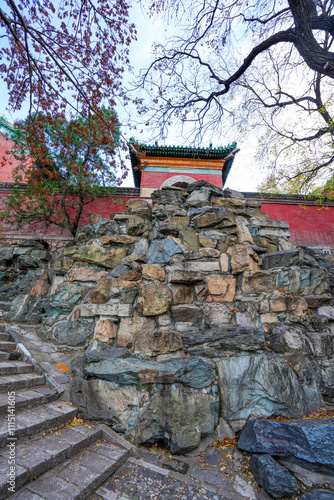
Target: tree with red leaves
66, 59
62, 166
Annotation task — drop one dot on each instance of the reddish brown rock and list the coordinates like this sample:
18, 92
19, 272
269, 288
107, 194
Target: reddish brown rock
278, 304
222, 287
131, 275
224, 262
264, 306
155, 342
101, 292
78, 273
201, 290
269, 318
105, 330
243, 258
41, 286
153, 272
119, 283
121, 239
183, 294
255, 282
296, 303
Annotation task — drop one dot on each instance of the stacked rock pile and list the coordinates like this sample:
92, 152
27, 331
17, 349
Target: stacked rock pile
197, 312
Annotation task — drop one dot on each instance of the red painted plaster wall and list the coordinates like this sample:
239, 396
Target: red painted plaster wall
155, 179
309, 225
102, 205
6, 167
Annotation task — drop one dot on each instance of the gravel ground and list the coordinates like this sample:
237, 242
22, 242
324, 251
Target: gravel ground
217, 474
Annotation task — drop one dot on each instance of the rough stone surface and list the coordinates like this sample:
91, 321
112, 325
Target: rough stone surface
183, 294
217, 339
303, 281
25, 309
153, 342
136, 226
73, 333
186, 313
154, 299
217, 314
222, 287
78, 273
255, 282
318, 495
105, 330
153, 272
129, 327
274, 479
306, 442
161, 251
243, 258
191, 372
260, 384
105, 257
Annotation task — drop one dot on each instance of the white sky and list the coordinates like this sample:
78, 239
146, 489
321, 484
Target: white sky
242, 176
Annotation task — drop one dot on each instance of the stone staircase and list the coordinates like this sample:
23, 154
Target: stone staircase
55, 456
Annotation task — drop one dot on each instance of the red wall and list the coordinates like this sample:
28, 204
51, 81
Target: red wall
309, 225
103, 206
6, 167
155, 179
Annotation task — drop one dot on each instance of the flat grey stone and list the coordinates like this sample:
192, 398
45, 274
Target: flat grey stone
25, 494
53, 487
110, 451
36, 461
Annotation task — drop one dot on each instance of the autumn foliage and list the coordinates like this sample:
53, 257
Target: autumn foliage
63, 165
66, 60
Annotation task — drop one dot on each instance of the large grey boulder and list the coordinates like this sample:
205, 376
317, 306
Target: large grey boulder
306, 442
318, 495
73, 333
25, 309
146, 414
191, 372
212, 342
302, 281
260, 384
274, 479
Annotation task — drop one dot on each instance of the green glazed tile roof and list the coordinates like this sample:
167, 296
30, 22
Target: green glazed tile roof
186, 152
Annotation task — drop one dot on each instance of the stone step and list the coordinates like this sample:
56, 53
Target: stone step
7, 346
4, 337
28, 398
20, 381
13, 367
78, 477
4, 355
36, 420
2, 327
35, 456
